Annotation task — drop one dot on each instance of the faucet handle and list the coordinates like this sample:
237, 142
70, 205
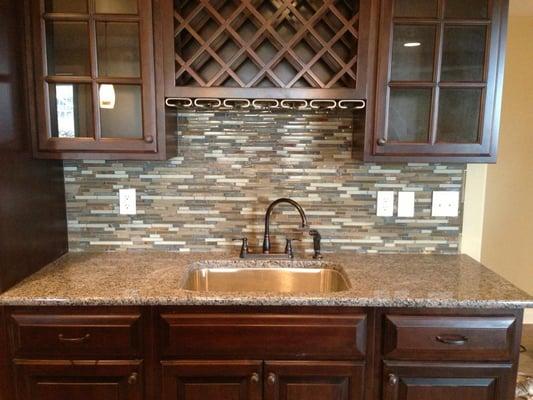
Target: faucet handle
316, 243
244, 247
288, 247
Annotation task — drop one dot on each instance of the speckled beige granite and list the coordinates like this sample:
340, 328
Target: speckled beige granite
149, 278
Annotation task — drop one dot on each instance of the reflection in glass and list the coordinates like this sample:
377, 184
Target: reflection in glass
65, 6
463, 56
116, 6
459, 115
70, 110
118, 49
413, 53
67, 48
124, 120
415, 8
471, 9
409, 115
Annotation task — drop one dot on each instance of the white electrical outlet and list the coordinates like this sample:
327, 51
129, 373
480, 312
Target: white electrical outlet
385, 206
406, 204
128, 201
445, 204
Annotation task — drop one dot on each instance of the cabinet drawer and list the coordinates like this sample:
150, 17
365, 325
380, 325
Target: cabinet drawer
269, 336
424, 337
91, 335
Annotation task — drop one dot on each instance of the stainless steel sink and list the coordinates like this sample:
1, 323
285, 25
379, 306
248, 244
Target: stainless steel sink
276, 280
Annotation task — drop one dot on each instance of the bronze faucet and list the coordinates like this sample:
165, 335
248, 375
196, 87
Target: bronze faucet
288, 247
266, 239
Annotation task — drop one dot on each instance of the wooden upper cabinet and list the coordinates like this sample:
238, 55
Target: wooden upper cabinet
439, 81
266, 49
93, 79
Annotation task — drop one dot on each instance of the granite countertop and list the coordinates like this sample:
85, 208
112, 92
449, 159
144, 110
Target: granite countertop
152, 278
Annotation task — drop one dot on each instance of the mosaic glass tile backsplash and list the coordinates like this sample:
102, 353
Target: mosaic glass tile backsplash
232, 164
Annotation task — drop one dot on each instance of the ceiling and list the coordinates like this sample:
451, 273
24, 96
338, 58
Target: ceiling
521, 8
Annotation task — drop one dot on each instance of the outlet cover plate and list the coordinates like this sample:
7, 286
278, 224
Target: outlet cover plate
128, 201
445, 204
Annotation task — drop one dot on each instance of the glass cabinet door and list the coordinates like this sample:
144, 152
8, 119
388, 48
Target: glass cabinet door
438, 78
95, 93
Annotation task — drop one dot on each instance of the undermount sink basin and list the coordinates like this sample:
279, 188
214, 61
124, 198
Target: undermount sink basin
275, 280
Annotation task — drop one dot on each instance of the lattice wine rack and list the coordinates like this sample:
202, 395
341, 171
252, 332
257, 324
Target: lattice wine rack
266, 48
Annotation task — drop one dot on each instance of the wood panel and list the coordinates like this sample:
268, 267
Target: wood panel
33, 228
89, 335
80, 380
221, 380
422, 381
308, 380
469, 338
263, 336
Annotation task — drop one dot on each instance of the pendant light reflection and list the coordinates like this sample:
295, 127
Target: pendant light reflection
107, 96
412, 44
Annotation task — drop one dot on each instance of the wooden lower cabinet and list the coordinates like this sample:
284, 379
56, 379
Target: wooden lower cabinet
308, 380
220, 380
447, 381
78, 380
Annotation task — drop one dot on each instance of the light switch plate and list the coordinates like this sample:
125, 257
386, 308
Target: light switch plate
406, 204
385, 206
128, 201
445, 204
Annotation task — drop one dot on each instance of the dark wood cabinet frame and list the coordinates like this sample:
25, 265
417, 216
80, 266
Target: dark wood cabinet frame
158, 141
377, 111
365, 49
282, 341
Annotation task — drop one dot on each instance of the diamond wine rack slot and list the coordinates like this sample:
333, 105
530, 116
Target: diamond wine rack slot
269, 47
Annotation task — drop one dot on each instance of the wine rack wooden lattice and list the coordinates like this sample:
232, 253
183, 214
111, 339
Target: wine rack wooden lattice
266, 43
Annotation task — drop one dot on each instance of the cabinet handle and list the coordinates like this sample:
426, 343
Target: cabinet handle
255, 377
82, 339
456, 340
149, 139
133, 378
382, 142
393, 379
271, 379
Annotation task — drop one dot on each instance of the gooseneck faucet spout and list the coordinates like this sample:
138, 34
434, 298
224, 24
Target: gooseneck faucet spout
266, 239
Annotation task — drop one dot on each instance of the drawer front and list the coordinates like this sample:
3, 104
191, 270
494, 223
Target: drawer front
264, 336
423, 337
62, 335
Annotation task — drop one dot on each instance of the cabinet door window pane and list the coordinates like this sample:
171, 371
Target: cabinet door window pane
470, 9
415, 8
413, 53
118, 49
66, 6
459, 115
116, 6
463, 57
409, 115
121, 111
71, 111
67, 48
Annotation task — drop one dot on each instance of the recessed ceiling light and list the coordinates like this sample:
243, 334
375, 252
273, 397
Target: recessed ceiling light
412, 44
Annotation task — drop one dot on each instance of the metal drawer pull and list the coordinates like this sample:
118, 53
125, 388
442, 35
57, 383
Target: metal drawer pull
393, 379
271, 379
255, 377
456, 340
133, 378
82, 339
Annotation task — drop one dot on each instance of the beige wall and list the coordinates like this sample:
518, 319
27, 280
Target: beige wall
507, 245
498, 213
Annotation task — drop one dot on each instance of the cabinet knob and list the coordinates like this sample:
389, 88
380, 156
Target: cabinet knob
271, 379
393, 379
255, 378
149, 139
133, 378
382, 142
